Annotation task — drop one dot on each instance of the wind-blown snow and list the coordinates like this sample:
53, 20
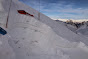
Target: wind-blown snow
38, 39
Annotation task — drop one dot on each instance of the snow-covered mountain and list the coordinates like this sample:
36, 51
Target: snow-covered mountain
78, 27
83, 30
33, 38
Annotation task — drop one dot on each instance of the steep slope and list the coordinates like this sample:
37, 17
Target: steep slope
6, 52
36, 39
71, 27
83, 30
58, 28
40, 39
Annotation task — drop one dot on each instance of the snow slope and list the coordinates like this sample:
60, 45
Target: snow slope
38, 39
83, 30
71, 27
59, 29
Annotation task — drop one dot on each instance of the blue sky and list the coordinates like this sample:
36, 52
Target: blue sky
65, 9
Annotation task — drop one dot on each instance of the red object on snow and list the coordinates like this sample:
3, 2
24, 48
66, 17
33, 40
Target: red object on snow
25, 13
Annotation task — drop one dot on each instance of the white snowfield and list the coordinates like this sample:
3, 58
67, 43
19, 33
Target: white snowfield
30, 38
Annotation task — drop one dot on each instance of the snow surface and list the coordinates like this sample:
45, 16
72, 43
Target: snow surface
83, 30
71, 27
30, 38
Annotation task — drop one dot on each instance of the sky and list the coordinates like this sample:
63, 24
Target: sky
61, 9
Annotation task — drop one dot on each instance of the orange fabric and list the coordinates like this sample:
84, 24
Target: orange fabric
22, 12
25, 13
